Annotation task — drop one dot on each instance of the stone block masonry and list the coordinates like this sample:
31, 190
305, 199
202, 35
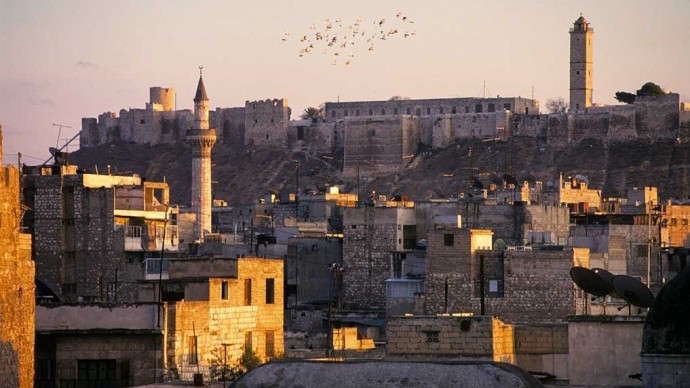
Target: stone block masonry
17, 291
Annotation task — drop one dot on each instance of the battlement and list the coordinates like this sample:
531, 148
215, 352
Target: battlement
266, 122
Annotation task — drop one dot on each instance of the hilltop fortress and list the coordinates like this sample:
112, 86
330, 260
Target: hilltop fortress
380, 136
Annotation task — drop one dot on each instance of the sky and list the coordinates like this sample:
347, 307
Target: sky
64, 60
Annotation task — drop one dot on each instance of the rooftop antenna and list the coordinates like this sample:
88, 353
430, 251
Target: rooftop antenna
201, 70
484, 90
57, 143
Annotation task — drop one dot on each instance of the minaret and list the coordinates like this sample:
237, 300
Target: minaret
580, 65
201, 139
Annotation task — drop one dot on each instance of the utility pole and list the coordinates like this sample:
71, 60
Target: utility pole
296, 188
481, 283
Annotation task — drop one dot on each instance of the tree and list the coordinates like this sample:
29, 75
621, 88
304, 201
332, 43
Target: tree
625, 97
398, 98
650, 89
556, 105
312, 113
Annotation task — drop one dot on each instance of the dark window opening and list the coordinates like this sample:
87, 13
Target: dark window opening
478, 108
270, 291
449, 240
492, 108
224, 290
96, 372
270, 344
300, 133
247, 292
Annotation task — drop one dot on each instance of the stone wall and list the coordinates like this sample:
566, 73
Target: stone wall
371, 235
379, 144
17, 294
229, 124
308, 268
266, 122
531, 286
450, 337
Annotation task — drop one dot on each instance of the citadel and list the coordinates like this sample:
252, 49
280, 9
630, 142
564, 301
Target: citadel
384, 133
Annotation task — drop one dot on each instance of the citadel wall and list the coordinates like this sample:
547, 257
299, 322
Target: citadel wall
266, 122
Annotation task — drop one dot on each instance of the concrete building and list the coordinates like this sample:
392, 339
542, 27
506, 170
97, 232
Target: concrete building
96, 235
581, 65
574, 193
17, 301
202, 139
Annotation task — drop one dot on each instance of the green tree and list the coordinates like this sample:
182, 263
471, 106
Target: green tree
312, 113
398, 98
650, 89
625, 97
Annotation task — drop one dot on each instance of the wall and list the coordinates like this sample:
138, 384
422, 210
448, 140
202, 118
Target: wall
371, 235
17, 294
450, 337
308, 268
266, 122
604, 350
229, 124
542, 348
378, 144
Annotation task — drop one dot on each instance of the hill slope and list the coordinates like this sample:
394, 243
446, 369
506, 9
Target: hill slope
243, 175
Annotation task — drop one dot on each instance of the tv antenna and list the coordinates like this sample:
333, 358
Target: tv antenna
57, 143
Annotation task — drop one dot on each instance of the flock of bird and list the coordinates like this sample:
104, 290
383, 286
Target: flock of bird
342, 41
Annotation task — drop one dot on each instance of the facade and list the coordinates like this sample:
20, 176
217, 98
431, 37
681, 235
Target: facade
214, 306
96, 235
375, 242
581, 64
201, 138
98, 346
17, 301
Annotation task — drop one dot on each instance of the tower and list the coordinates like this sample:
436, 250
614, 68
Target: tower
201, 138
581, 65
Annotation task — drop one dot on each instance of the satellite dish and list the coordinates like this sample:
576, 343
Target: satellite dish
608, 279
59, 156
589, 281
476, 183
510, 179
633, 291
582, 178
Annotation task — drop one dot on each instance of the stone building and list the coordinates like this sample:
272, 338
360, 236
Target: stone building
677, 224
214, 306
520, 285
375, 242
96, 235
581, 64
201, 138
17, 301
574, 193
98, 346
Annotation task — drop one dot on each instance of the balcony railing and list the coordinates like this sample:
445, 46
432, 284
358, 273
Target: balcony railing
137, 240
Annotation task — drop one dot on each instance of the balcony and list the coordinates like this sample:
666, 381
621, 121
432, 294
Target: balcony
140, 239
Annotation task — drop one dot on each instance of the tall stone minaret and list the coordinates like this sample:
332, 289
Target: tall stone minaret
201, 138
580, 65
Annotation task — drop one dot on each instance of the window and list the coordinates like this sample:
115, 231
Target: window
478, 108
455, 110
270, 344
192, 358
248, 341
492, 108
270, 291
267, 136
408, 111
506, 106
440, 110
357, 112
395, 111
345, 112
332, 113
300, 133
419, 111
428, 111
247, 292
224, 290
371, 112
449, 240
96, 370
431, 337
467, 109
383, 111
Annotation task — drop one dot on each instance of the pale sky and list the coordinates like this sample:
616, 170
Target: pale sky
64, 60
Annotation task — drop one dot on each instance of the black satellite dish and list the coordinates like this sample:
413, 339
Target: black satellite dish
633, 291
510, 179
608, 279
589, 281
59, 156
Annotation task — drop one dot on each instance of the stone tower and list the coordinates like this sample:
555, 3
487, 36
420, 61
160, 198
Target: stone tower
201, 138
581, 65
